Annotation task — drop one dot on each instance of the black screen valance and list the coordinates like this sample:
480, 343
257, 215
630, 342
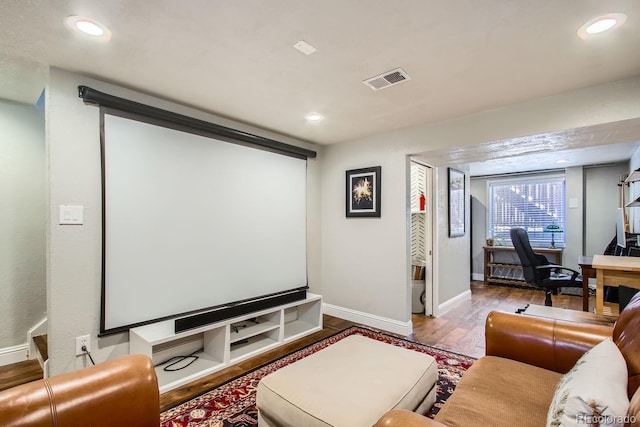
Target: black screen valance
95, 97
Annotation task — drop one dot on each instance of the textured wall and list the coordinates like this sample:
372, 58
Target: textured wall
337, 247
22, 221
383, 288
74, 253
600, 205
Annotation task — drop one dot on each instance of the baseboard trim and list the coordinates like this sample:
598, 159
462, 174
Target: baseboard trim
15, 354
449, 304
479, 277
367, 319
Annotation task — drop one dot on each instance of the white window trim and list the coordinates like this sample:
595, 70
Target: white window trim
521, 179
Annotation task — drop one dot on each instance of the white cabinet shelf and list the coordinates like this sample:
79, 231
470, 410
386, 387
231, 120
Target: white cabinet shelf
203, 366
221, 344
296, 329
251, 331
253, 346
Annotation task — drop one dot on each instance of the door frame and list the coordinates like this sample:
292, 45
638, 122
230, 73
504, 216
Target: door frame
431, 270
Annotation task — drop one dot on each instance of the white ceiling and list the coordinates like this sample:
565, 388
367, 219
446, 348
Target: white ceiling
550, 160
600, 144
236, 58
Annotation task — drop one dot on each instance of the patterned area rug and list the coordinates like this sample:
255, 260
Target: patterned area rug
234, 404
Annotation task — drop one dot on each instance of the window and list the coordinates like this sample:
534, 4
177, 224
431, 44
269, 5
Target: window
530, 203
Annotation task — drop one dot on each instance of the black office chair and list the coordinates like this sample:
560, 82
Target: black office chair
537, 270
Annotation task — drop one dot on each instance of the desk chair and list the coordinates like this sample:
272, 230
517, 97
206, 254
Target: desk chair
536, 268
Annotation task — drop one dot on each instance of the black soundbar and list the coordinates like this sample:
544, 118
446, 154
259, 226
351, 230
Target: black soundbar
228, 312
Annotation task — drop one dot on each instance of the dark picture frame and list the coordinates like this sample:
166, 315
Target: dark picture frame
363, 192
456, 179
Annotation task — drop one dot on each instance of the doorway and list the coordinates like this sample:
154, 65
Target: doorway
421, 237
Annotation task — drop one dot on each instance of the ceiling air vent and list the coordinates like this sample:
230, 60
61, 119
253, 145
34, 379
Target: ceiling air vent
387, 79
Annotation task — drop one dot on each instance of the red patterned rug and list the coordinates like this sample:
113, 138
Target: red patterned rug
234, 404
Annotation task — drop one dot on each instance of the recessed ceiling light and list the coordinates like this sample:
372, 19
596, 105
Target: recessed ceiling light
562, 161
601, 24
314, 117
88, 26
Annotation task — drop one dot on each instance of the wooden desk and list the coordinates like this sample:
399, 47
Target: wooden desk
586, 267
568, 315
614, 271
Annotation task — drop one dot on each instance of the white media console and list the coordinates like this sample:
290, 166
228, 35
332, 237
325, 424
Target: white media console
224, 343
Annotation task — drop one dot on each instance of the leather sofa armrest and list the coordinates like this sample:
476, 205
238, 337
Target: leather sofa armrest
118, 392
404, 418
550, 344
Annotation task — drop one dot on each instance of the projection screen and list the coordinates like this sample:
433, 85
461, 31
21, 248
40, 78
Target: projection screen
192, 222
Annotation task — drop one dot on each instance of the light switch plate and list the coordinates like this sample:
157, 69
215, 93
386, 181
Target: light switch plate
71, 214
574, 203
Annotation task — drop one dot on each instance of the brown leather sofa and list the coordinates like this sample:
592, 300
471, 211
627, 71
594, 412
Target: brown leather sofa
525, 359
119, 392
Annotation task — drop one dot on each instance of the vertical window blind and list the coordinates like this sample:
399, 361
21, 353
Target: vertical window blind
530, 203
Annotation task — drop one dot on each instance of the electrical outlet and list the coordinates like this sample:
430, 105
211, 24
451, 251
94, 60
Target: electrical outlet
80, 341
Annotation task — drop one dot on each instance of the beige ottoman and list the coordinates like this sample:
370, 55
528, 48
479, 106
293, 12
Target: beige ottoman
351, 383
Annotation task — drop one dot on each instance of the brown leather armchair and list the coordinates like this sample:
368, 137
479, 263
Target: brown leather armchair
495, 392
119, 392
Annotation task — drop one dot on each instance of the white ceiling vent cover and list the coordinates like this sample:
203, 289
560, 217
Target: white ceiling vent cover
387, 79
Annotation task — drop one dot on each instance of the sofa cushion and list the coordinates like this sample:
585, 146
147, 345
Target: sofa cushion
497, 392
595, 387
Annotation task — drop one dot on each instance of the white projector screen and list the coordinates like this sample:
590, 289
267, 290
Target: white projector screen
193, 222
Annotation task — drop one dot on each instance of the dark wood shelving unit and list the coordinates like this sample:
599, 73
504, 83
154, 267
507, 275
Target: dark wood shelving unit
502, 265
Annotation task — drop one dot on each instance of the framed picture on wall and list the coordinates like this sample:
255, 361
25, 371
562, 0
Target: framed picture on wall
363, 192
456, 202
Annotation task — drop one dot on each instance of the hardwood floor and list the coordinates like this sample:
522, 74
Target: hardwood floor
19, 373
461, 330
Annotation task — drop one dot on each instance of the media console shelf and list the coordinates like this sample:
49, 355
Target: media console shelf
221, 344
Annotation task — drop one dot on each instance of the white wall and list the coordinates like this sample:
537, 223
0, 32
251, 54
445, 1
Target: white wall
74, 252
452, 260
600, 205
574, 190
22, 221
479, 212
364, 260
364, 264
